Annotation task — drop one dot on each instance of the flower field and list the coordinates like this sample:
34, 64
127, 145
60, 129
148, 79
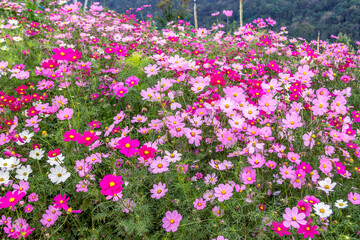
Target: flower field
113, 129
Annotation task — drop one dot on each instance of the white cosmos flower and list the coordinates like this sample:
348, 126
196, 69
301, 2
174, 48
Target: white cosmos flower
341, 204
58, 174
61, 2
5, 48
322, 210
25, 136
17, 39
326, 185
8, 164
23, 172
13, 22
56, 161
37, 154
4, 177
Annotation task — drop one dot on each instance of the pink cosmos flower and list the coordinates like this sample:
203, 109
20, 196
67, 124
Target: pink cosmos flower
48, 219
33, 197
182, 168
257, 161
223, 192
171, 221
248, 175
111, 185
227, 13
65, 114
159, 190
28, 208
217, 211
127, 146
312, 200
354, 198
293, 218
194, 136
325, 165
199, 204
22, 186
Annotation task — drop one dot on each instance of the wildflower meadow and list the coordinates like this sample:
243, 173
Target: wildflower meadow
111, 128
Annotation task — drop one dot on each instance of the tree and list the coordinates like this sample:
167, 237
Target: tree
169, 13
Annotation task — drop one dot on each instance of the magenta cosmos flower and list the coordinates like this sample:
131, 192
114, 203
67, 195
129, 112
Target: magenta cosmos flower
132, 81
60, 201
171, 221
223, 192
111, 185
307, 230
146, 152
11, 199
293, 217
280, 229
120, 90
72, 136
128, 146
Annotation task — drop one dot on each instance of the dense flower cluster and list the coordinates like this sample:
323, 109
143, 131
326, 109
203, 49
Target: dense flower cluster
240, 135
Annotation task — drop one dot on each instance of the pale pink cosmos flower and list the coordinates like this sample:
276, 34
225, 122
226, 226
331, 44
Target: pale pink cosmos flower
210, 179
250, 112
309, 139
293, 217
338, 105
172, 157
65, 114
33, 122
292, 121
151, 70
159, 165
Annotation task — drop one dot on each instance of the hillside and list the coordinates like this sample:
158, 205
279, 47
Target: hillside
302, 17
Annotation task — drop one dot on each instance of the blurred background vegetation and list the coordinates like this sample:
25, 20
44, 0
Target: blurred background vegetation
303, 18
